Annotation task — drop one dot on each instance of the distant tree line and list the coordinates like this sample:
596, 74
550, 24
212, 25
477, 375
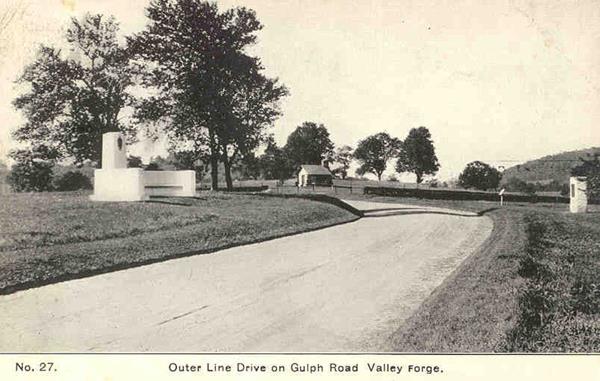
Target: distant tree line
189, 77
202, 90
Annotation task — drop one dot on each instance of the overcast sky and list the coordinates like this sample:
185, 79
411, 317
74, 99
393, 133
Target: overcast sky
492, 80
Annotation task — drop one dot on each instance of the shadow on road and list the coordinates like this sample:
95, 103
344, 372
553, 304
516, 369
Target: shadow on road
386, 209
422, 211
482, 212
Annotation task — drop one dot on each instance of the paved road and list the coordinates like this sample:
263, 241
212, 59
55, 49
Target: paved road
344, 288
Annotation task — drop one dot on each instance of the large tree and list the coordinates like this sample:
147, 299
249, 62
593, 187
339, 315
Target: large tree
343, 158
418, 154
480, 176
206, 89
374, 152
73, 97
308, 144
274, 163
255, 107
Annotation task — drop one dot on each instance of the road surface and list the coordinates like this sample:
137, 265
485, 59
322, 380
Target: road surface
344, 288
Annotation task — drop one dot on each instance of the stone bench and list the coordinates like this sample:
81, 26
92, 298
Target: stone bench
170, 183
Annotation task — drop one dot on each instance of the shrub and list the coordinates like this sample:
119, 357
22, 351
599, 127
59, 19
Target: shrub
30, 178
433, 183
71, 181
32, 171
480, 176
134, 162
153, 166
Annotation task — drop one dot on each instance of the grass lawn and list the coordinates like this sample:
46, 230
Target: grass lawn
533, 286
49, 237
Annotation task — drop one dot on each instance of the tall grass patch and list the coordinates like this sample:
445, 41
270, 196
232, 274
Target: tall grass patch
559, 308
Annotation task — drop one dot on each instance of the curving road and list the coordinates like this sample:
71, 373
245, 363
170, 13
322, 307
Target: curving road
344, 288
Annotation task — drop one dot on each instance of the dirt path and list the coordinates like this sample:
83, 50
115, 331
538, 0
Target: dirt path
344, 288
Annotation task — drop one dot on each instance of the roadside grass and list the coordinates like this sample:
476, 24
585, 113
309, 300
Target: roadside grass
560, 306
533, 286
50, 237
472, 310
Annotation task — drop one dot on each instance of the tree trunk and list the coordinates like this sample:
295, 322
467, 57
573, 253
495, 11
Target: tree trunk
419, 177
228, 180
214, 163
379, 176
214, 173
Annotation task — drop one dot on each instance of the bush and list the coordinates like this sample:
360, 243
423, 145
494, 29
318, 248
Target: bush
71, 181
134, 162
153, 166
32, 171
30, 178
480, 176
433, 183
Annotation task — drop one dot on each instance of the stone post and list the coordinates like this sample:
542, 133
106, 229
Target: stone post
116, 182
114, 154
578, 194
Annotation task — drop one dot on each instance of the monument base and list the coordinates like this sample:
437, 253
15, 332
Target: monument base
170, 183
121, 184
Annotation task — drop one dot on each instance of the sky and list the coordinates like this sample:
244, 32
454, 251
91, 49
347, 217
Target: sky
492, 80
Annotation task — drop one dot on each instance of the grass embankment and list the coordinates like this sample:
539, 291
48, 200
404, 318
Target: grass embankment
50, 237
533, 286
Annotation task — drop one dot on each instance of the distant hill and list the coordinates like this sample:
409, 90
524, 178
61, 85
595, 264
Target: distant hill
549, 168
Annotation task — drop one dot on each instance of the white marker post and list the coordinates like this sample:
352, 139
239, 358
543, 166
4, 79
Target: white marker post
501, 193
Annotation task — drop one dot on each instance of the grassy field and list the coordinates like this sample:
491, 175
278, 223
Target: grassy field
49, 237
534, 285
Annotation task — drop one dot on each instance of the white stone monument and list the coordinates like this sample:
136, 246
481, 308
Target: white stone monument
578, 191
116, 182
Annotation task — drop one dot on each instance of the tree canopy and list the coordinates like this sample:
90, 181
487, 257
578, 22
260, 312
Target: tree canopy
308, 144
480, 176
343, 159
418, 154
206, 87
73, 98
374, 152
274, 163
